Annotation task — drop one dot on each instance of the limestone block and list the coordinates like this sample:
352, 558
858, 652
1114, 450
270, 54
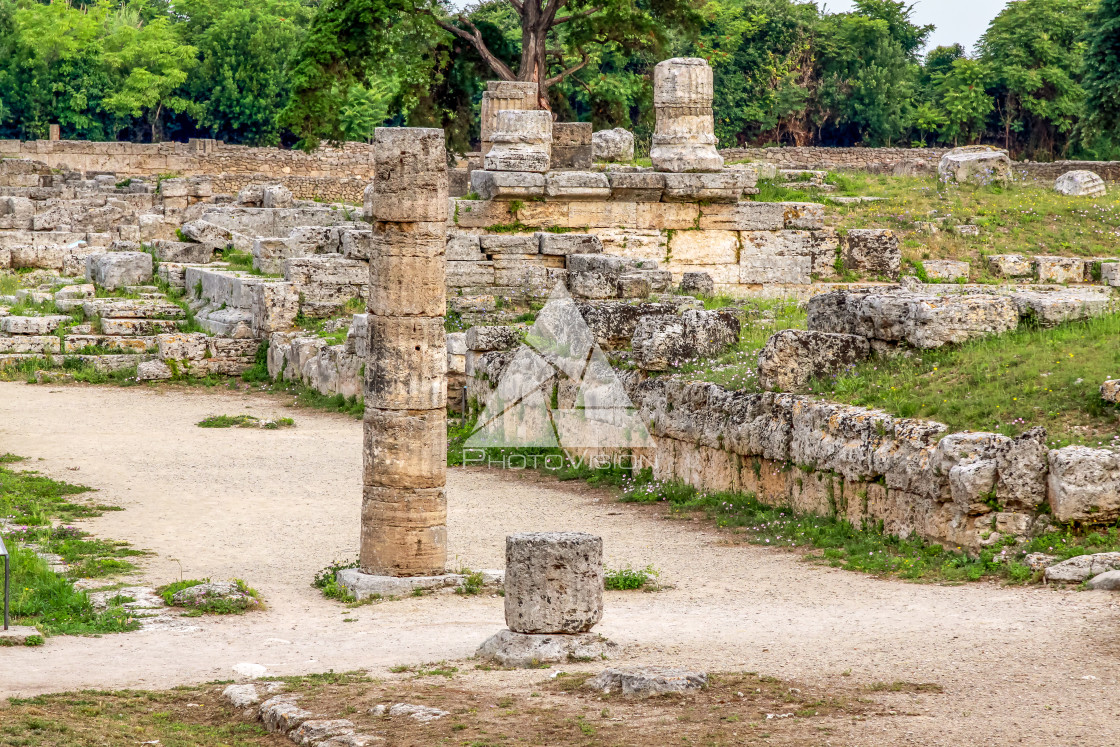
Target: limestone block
16, 207
208, 234
1084, 484
577, 185
181, 251
666, 215
1050, 307
684, 137
31, 325
318, 731
469, 274
355, 244
744, 216
634, 244
521, 142
407, 363
407, 286
74, 343
5, 258
1059, 269
517, 244
721, 186
636, 186
572, 145
873, 251
507, 185
596, 285
1110, 273
281, 715
483, 339
792, 358
972, 485
413, 239
776, 257
405, 448
1010, 266
520, 650
975, 164
663, 342
30, 344
464, 248
114, 308
613, 145
276, 196
633, 286
113, 270
307, 240
41, 256
945, 269
410, 175
705, 247
697, 284
563, 244
480, 213
647, 681
1083, 567
404, 531
1080, 184
595, 214
274, 307
1022, 465
553, 582
133, 327
1110, 391
545, 214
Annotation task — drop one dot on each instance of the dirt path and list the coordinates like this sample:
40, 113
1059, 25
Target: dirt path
1023, 666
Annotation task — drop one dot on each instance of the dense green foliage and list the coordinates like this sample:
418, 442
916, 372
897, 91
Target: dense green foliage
1044, 80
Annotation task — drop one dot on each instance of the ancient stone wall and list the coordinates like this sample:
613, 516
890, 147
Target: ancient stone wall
329, 174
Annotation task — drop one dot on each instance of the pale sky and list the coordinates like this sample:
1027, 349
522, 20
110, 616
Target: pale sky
961, 21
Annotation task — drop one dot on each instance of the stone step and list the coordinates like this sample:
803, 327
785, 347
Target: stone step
32, 325
120, 308
138, 327
30, 344
120, 343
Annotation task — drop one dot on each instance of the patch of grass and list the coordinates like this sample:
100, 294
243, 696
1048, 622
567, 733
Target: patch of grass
1006, 384
9, 284
836, 542
630, 579
38, 508
258, 372
209, 604
73, 367
1021, 218
326, 581
472, 583
229, 421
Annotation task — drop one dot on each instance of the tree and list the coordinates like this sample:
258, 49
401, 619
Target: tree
363, 109
964, 101
154, 64
241, 83
560, 37
1034, 49
1102, 72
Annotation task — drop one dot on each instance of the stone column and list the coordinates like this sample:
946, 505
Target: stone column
521, 142
684, 139
404, 509
55, 132
500, 96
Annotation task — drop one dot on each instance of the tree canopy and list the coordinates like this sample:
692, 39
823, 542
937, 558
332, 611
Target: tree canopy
1044, 80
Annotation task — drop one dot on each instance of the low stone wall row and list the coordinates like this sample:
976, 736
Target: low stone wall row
902, 160
963, 490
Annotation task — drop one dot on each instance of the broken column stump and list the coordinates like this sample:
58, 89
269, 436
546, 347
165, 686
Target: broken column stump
553, 597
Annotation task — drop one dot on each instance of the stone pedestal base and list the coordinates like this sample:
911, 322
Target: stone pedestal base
17, 635
365, 585
525, 650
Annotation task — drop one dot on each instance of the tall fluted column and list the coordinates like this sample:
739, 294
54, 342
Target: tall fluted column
404, 507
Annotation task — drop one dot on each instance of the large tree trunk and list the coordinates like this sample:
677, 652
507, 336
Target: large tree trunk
534, 66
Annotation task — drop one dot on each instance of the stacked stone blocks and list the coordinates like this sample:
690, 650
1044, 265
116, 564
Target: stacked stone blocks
404, 509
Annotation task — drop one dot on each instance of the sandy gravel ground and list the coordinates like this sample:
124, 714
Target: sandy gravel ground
1027, 666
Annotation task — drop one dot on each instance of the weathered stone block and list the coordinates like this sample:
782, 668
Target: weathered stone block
521, 650
684, 137
481, 339
508, 185
1010, 266
521, 142
469, 274
975, 164
274, 306
414, 239
410, 175
792, 358
571, 145
464, 248
113, 270
577, 185
697, 284
595, 214
705, 247
554, 582
721, 186
1110, 391
404, 531
744, 216
663, 342
1084, 484
1110, 273
1080, 184
636, 186
405, 448
1059, 269
874, 251
276, 196
563, 244
407, 363
506, 244
945, 269
613, 145
407, 286
666, 215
